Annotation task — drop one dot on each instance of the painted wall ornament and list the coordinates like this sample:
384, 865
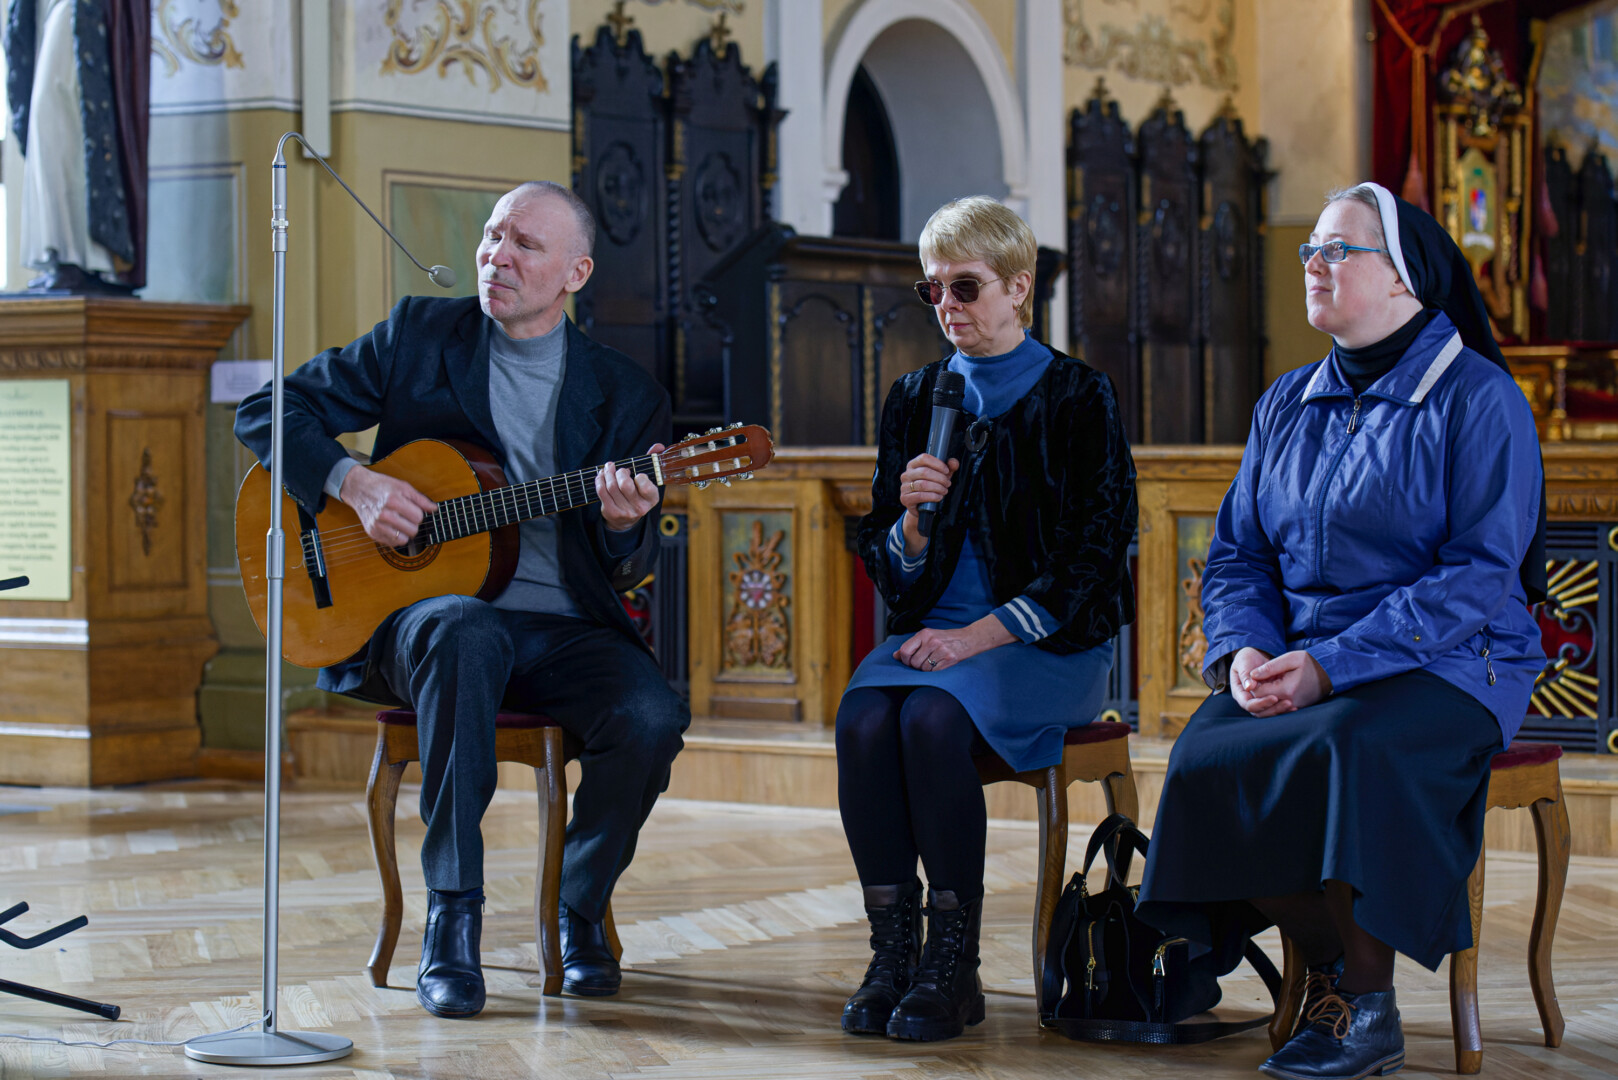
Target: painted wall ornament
490, 36
1152, 50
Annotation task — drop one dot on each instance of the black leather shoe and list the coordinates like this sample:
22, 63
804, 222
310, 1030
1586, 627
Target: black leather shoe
588, 967
894, 912
449, 982
1346, 1037
945, 994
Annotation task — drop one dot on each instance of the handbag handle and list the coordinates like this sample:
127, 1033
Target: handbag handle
1118, 858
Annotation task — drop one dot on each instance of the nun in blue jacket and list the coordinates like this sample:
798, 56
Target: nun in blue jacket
1369, 638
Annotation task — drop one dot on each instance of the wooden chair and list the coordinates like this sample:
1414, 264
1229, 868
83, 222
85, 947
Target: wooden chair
1524, 774
1096, 753
533, 740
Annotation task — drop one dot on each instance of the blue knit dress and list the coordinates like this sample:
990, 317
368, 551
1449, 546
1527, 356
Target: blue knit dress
1021, 698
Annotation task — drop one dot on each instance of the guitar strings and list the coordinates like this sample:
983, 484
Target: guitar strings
342, 546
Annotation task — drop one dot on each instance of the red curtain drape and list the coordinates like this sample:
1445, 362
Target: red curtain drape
1414, 40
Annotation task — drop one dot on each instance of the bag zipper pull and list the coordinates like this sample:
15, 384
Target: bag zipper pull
1090, 964
1159, 968
1354, 418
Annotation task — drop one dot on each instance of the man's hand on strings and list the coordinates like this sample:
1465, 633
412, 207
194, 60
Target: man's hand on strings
625, 497
389, 508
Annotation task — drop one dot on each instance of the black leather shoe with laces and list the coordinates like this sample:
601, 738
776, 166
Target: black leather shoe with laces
945, 995
588, 967
449, 982
1345, 1037
894, 912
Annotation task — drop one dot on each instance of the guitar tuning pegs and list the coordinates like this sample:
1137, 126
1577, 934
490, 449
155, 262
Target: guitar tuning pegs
725, 480
736, 425
713, 431
689, 436
744, 476
701, 485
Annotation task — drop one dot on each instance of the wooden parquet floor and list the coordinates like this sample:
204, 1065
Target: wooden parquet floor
743, 935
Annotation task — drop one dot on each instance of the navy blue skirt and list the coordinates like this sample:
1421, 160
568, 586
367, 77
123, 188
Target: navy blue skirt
1383, 787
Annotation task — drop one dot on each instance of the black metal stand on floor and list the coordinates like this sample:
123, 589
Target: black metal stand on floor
49, 997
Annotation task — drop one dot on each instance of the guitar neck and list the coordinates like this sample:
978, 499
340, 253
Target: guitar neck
466, 515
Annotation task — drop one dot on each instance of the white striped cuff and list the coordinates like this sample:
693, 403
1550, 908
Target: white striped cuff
896, 548
1027, 621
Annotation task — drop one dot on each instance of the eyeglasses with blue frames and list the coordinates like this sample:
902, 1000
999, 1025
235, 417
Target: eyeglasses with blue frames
1333, 251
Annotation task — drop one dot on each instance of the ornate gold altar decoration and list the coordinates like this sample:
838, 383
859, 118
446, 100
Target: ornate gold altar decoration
756, 630
1481, 175
1574, 590
1151, 51
146, 501
176, 38
1193, 642
469, 33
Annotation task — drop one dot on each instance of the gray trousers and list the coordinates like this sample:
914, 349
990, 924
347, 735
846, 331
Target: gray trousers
457, 660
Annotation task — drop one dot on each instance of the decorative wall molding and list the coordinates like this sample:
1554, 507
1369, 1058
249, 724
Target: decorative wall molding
42, 360
475, 35
1154, 50
177, 39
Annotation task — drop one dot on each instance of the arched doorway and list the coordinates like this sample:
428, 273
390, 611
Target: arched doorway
869, 205
952, 106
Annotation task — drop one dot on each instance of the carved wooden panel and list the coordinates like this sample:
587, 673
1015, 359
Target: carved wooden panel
904, 336
1166, 279
1101, 240
1232, 278
816, 363
147, 504
1562, 194
719, 169
619, 140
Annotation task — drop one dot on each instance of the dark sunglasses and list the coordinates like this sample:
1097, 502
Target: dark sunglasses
963, 289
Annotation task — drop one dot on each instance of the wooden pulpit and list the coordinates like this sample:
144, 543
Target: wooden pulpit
103, 505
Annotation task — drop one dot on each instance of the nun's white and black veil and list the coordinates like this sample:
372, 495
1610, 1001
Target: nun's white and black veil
1436, 273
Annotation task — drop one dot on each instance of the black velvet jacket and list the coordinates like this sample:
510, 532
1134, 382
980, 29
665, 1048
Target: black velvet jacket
1049, 500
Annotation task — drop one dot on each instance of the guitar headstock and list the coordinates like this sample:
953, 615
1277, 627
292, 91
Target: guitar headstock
719, 454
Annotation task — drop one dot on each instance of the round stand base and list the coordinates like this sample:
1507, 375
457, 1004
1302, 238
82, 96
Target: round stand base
268, 1048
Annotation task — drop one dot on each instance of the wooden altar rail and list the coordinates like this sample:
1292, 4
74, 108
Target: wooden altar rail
801, 611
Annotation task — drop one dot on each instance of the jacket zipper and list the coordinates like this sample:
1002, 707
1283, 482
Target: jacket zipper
1488, 664
1320, 511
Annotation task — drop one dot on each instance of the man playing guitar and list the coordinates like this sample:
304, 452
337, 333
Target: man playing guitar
510, 373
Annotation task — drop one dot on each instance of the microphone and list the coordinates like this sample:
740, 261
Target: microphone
442, 276
947, 394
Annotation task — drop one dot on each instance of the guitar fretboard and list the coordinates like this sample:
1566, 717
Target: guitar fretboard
466, 515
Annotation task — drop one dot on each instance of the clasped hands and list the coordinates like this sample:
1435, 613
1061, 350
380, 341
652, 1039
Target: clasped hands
392, 509
1266, 687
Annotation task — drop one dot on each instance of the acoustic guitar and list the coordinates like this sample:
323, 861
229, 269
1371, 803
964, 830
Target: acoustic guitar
340, 584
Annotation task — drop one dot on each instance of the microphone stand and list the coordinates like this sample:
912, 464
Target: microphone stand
272, 1046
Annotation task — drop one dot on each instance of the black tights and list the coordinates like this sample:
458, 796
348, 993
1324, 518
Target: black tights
1322, 925
907, 787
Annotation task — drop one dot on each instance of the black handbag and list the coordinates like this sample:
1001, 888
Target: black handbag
1109, 977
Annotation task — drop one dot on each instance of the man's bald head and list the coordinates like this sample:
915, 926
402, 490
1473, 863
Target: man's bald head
582, 218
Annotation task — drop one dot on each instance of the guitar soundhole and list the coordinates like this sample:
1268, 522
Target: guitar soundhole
411, 556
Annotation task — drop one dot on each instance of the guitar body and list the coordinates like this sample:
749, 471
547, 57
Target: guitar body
367, 581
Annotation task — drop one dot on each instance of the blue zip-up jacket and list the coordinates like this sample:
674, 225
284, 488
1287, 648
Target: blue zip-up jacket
1384, 534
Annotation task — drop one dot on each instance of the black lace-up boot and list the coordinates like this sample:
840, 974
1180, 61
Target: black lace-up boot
945, 994
1345, 1037
895, 915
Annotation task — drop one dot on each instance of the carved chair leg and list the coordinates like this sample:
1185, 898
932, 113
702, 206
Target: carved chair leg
1122, 797
381, 795
1555, 845
1052, 861
552, 783
1463, 984
1288, 1007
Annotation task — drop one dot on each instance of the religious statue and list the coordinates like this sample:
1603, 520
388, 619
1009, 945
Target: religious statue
78, 78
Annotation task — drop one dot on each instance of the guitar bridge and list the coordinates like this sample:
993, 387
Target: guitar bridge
314, 564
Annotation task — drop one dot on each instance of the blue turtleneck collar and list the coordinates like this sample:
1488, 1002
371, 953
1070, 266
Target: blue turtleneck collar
995, 383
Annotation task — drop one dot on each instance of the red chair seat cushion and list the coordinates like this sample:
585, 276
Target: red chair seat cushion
407, 718
1100, 731
1525, 753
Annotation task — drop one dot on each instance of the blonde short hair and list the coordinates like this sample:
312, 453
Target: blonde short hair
980, 228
